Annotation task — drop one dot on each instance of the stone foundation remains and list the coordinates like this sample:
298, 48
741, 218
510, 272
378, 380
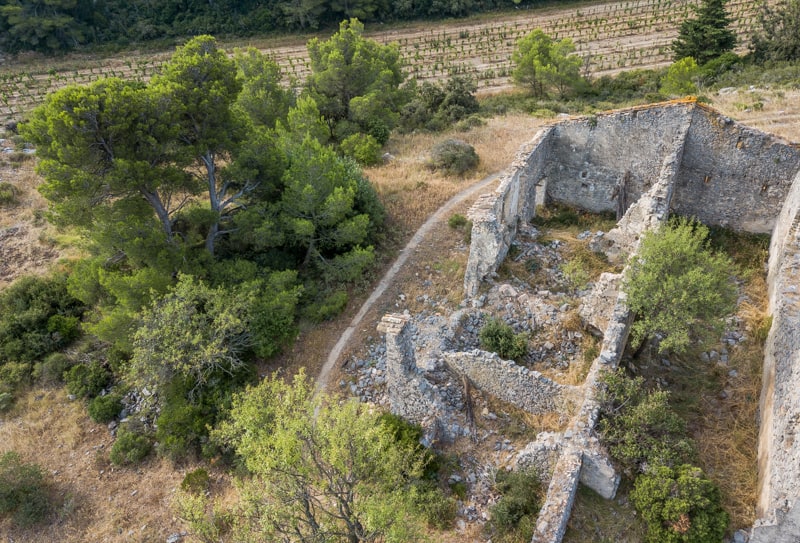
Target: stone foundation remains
642, 164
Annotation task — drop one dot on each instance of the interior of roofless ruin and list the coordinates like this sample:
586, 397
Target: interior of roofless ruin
567, 216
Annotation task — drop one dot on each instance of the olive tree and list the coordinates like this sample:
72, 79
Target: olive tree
679, 289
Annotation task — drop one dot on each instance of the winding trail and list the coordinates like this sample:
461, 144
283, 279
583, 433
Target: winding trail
386, 280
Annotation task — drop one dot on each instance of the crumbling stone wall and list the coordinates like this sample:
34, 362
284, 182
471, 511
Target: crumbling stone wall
779, 442
494, 216
643, 164
526, 389
724, 174
592, 158
412, 396
732, 175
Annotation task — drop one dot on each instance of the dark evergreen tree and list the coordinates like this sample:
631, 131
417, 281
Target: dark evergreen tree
707, 35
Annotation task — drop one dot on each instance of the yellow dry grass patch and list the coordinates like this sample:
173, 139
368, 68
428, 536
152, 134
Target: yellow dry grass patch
727, 436
771, 110
95, 501
410, 192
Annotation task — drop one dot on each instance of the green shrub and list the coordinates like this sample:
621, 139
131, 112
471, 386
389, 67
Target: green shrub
456, 221
64, 329
130, 447
8, 194
328, 308
87, 380
513, 517
499, 337
364, 148
29, 328
438, 509
14, 374
23, 491
409, 435
51, 370
679, 289
104, 409
679, 79
575, 273
181, 428
679, 505
467, 124
639, 427
196, 481
453, 157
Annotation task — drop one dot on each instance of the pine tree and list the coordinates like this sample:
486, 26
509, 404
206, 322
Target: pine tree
706, 36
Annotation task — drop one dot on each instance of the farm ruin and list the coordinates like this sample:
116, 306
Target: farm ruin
643, 164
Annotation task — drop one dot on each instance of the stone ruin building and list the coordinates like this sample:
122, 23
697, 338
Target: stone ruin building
643, 164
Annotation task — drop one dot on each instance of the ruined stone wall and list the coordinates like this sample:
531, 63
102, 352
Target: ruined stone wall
732, 175
591, 157
779, 442
526, 389
698, 163
495, 216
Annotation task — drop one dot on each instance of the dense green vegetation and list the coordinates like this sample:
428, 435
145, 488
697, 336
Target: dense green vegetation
650, 441
321, 470
53, 26
678, 288
216, 207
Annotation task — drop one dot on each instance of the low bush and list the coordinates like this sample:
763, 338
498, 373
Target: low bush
106, 408
182, 428
499, 337
8, 194
435, 107
438, 509
513, 517
14, 374
130, 447
87, 380
23, 491
39, 317
457, 221
50, 371
453, 157
364, 148
330, 306
680, 505
639, 427
196, 481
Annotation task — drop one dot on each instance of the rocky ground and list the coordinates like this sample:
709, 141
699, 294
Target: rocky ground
532, 294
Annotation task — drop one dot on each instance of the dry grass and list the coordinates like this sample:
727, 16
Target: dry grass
771, 110
411, 193
727, 436
95, 500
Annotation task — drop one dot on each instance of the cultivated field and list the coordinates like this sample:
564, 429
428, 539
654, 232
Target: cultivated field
610, 36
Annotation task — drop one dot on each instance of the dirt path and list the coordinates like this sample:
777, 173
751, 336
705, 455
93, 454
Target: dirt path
388, 278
